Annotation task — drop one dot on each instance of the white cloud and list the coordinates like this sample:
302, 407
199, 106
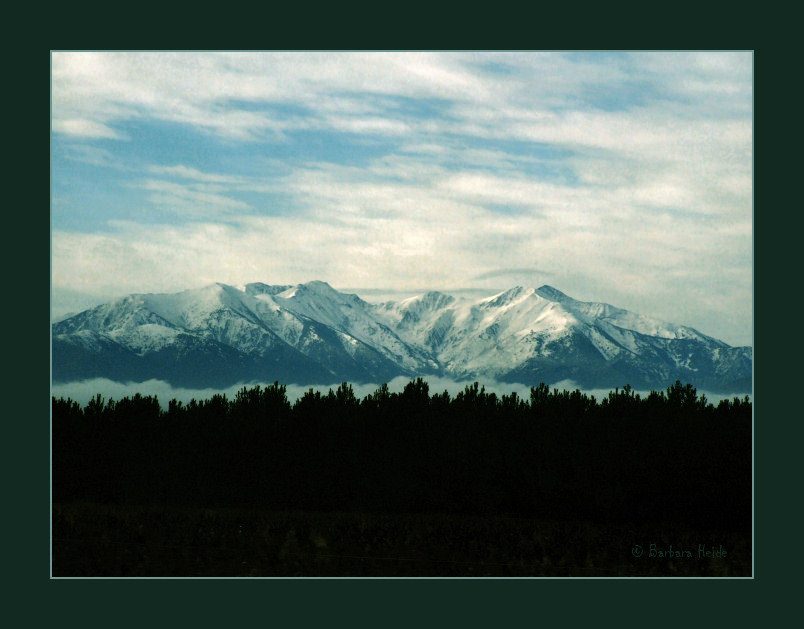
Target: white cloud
205, 89
195, 199
185, 172
650, 208
85, 129
409, 236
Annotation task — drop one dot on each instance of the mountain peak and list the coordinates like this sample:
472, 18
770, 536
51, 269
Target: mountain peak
436, 299
431, 300
522, 334
508, 296
315, 287
319, 285
308, 288
552, 294
258, 288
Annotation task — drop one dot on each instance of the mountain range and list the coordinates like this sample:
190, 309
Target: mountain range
310, 333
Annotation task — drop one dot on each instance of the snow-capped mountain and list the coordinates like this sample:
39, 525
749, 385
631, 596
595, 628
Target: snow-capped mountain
310, 333
532, 335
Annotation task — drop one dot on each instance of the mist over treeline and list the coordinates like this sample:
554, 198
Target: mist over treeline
668, 456
82, 391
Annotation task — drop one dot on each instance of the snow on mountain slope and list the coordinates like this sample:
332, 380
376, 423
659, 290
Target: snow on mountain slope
525, 331
483, 336
422, 320
217, 312
497, 332
318, 301
335, 331
598, 313
530, 334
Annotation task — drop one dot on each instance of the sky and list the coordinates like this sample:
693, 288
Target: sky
622, 177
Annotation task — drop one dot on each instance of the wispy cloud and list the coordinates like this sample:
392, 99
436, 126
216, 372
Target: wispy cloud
530, 272
195, 199
623, 177
85, 129
186, 172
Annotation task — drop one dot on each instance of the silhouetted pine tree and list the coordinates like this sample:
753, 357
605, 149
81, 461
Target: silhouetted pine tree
670, 456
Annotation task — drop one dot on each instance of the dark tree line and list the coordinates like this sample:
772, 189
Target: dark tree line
670, 456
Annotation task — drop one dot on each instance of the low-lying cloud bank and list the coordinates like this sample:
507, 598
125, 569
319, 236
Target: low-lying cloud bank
85, 390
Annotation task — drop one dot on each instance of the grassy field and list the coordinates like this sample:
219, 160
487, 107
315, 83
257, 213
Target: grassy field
93, 540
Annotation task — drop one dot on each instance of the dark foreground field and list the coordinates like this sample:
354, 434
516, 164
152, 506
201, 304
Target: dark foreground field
337, 486
147, 541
